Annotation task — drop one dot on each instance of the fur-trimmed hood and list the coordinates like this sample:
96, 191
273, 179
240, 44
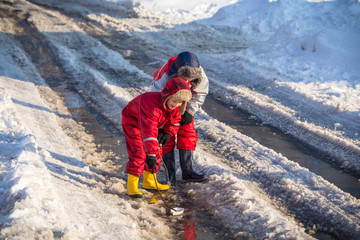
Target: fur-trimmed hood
187, 66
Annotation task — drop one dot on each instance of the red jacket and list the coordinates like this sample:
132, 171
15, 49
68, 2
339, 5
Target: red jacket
163, 69
147, 113
199, 91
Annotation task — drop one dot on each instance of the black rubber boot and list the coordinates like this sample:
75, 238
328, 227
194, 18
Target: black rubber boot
169, 161
186, 163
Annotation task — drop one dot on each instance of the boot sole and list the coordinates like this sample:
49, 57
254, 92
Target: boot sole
135, 195
195, 180
152, 189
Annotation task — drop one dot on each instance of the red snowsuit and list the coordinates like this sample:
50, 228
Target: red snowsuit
141, 120
187, 135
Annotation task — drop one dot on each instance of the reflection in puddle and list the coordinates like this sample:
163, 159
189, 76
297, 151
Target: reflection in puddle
195, 222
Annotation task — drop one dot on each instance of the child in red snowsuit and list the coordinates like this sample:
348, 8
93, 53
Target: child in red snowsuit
141, 120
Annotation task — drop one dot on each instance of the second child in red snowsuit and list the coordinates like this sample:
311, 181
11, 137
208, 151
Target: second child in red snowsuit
185, 65
141, 120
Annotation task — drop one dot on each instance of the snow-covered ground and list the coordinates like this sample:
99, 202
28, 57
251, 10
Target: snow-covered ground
293, 64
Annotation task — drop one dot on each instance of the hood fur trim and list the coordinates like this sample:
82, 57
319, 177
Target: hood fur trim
193, 73
184, 96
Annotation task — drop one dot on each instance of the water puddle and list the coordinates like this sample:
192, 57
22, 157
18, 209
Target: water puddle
195, 222
287, 145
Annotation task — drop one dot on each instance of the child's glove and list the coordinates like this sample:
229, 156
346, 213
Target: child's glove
151, 162
163, 137
186, 118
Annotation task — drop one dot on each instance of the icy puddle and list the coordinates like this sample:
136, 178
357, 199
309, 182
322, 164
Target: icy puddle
196, 223
285, 144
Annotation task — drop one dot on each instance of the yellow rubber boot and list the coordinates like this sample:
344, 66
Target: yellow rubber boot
132, 187
149, 182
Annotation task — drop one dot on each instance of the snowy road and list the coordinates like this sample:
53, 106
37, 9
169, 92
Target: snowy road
50, 187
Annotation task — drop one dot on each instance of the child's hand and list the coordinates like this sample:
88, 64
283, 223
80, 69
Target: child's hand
151, 162
163, 137
186, 118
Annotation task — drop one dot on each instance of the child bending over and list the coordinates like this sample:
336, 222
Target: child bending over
148, 121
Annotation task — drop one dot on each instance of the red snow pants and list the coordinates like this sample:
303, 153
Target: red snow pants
186, 139
136, 152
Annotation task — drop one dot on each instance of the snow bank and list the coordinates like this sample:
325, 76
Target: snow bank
25, 179
176, 12
316, 36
